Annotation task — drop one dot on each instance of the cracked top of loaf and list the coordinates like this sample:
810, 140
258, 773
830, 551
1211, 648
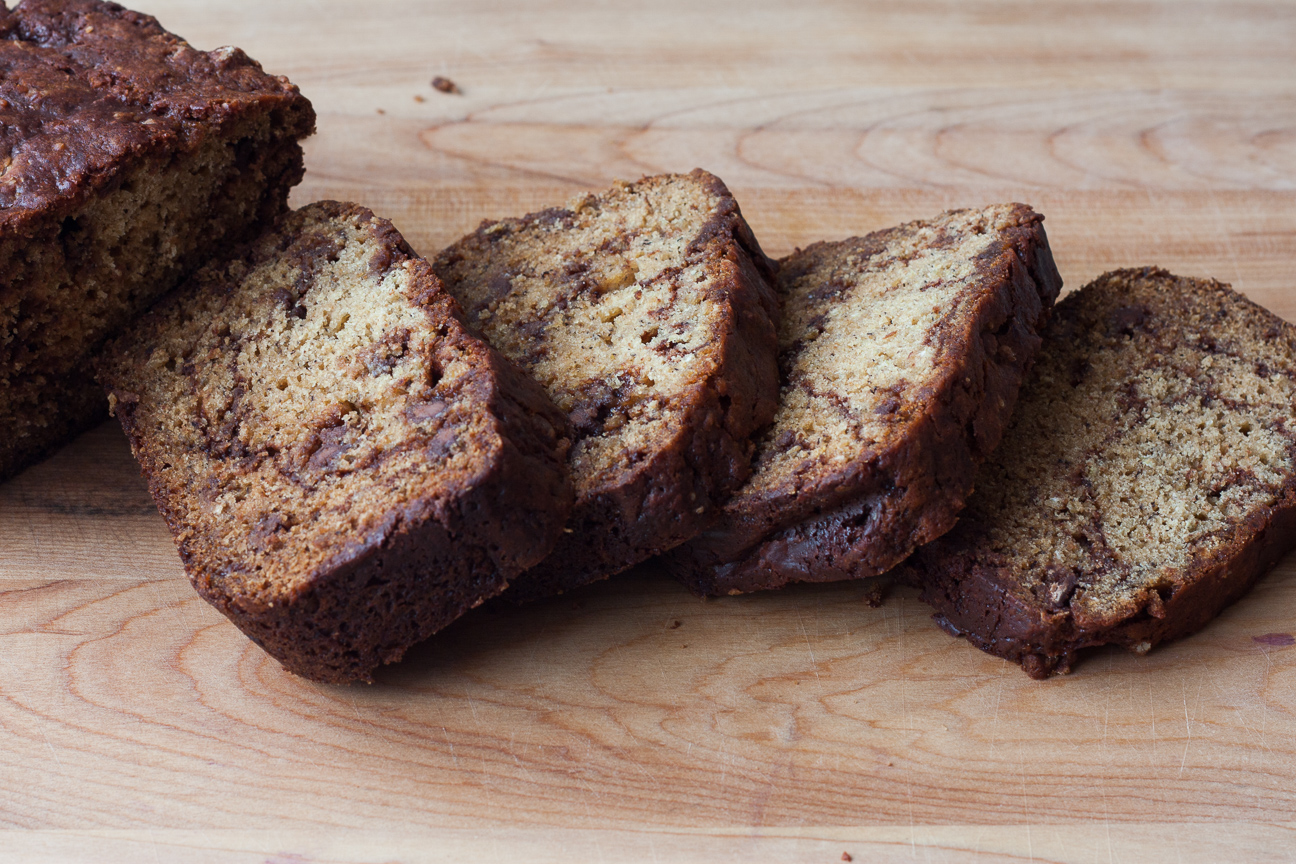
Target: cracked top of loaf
87, 86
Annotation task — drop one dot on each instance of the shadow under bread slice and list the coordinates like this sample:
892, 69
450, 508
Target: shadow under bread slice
647, 313
128, 160
345, 468
1147, 479
901, 356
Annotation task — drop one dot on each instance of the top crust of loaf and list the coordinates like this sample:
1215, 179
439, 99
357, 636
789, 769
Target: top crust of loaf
344, 466
901, 355
1148, 478
127, 159
646, 312
86, 87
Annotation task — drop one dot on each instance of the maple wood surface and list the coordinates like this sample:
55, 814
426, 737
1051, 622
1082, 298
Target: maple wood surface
630, 721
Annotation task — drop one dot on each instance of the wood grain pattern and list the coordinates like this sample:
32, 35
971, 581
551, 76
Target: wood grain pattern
1151, 842
630, 721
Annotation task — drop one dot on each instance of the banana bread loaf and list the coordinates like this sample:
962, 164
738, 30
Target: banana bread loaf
647, 314
901, 356
128, 159
344, 467
1147, 479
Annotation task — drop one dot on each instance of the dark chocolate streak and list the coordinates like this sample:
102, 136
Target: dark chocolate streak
837, 401
862, 519
977, 590
428, 557
331, 438
667, 491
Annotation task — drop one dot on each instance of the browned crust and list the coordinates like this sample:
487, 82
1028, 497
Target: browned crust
89, 87
669, 497
864, 520
431, 559
977, 594
975, 600
90, 91
81, 406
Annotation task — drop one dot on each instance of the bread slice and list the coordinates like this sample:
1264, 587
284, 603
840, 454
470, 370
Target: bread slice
1148, 477
344, 467
647, 313
129, 158
902, 352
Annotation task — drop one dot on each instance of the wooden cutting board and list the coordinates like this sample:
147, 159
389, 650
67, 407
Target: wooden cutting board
630, 721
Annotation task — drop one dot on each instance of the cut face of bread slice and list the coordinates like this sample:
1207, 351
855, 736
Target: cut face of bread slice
1147, 479
344, 468
901, 356
647, 314
129, 159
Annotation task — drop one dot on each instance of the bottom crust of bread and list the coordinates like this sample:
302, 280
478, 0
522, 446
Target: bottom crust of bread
1147, 481
344, 466
690, 347
909, 491
978, 604
394, 589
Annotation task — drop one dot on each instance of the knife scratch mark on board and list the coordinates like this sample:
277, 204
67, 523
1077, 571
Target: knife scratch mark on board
805, 635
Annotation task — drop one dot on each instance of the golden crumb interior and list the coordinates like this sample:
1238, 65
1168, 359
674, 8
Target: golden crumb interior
1161, 414
304, 393
609, 305
112, 258
862, 341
